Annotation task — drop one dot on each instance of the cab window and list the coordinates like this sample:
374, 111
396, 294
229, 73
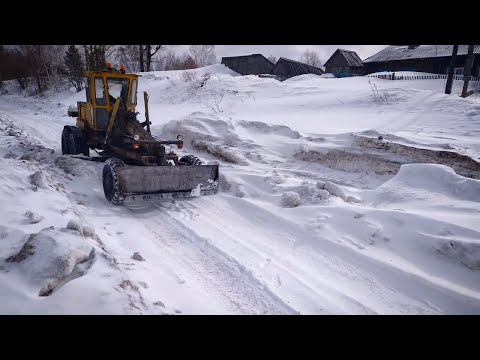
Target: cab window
100, 92
134, 93
87, 90
117, 88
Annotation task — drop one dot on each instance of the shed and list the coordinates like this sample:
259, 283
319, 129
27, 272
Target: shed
287, 68
254, 64
344, 63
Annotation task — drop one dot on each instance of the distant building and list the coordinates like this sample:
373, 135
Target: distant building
344, 63
286, 68
257, 64
421, 58
254, 64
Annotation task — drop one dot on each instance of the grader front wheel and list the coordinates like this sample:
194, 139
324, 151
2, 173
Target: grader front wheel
111, 184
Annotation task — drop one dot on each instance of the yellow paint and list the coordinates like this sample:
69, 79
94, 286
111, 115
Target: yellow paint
87, 117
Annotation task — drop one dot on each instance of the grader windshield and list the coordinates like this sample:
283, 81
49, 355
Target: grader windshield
117, 88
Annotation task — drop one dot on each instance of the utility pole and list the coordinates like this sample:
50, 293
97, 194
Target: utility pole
467, 71
448, 88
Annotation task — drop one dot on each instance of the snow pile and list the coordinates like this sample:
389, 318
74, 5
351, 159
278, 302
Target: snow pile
33, 218
291, 199
335, 190
48, 258
178, 74
428, 182
38, 179
431, 190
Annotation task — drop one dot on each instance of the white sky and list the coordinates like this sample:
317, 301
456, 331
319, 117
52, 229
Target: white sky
289, 51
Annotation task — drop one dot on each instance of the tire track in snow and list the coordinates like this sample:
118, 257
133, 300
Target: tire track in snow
331, 272
217, 271
321, 295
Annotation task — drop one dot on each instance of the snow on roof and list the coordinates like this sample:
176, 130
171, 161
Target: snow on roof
402, 52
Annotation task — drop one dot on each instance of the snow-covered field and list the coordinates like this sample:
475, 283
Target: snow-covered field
338, 196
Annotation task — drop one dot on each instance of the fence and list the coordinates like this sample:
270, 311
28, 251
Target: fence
421, 77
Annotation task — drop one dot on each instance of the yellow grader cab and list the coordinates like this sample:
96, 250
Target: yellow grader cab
137, 164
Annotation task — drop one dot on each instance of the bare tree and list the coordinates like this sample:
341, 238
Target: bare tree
96, 56
146, 54
203, 55
150, 51
35, 54
187, 62
273, 59
129, 56
52, 61
170, 60
141, 57
311, 57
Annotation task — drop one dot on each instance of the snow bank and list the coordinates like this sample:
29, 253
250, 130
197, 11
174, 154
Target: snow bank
48, 258
178, 74
403, 73
302, 78
335, 190
434, 178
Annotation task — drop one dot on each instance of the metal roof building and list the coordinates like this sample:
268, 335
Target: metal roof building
287, 68
254, 64
424, 58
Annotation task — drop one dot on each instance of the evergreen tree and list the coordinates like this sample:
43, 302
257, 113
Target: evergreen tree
74, 67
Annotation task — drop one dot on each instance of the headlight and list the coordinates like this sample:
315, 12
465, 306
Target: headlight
180, 138
136, 137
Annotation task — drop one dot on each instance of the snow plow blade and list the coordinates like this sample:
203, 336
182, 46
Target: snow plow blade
163, 182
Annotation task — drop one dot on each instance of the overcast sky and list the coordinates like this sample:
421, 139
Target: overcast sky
289, 51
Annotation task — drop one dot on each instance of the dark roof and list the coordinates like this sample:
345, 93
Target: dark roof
299, 68
245, 56
350, 56
402, 52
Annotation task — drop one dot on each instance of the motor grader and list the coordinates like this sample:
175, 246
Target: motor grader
137, 164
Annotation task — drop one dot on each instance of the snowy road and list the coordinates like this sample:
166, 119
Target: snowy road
395, 248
